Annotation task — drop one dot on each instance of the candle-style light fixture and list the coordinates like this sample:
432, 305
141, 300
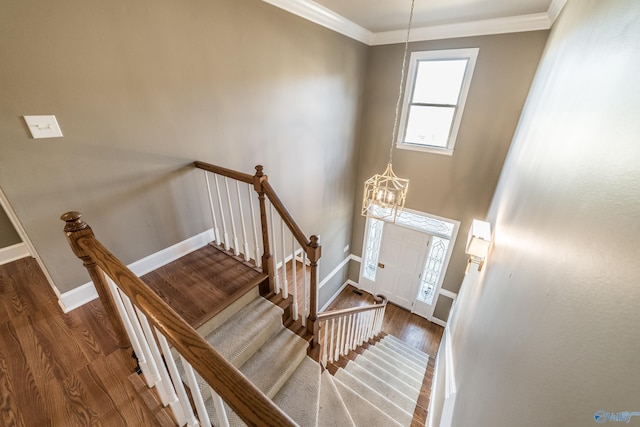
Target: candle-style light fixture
385, 194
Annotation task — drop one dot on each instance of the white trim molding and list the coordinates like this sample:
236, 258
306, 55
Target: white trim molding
512, 24
338, 268
86, 293
344, 285
13, 253
316, 13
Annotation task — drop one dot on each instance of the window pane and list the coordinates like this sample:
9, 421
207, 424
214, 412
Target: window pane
432, 270
439, 82
429, 125
373, 249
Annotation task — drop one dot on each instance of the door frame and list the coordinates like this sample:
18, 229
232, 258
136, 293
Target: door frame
8, 209
368, 285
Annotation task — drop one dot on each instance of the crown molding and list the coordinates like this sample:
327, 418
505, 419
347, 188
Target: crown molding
554, 9
327, 18
512, 24
314, 12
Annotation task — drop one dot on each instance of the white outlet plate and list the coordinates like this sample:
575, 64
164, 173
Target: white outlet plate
43, 126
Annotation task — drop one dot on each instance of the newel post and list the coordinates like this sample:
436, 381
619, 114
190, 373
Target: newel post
314, 251
267, 260
75, 229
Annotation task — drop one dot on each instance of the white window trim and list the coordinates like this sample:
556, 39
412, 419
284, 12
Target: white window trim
472, 55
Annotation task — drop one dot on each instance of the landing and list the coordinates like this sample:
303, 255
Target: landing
201, 284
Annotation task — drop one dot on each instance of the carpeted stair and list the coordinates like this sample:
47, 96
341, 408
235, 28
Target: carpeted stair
379, 388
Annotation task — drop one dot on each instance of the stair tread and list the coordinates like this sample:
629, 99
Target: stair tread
299, 397
403, 357
394, 359
400, 351
247, 330
378, 400
332, 412
362, 412
274, 362
384, 389
399, 372
386, 382
391, 340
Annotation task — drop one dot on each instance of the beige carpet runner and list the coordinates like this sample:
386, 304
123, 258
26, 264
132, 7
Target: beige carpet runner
379, 388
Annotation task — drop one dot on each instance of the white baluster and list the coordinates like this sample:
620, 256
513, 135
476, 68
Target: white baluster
367, 325
247, 254
356, 324
216, 231
339, 337
221, 413
171, 397
285, 282
345, 333
133, 338
224, 222
189, 416
258, 254
274, 250
305, 289
294, 274
381, 320
236, 246
195, 393
144, 346
331, 340
361, 319
345, 344
324, 328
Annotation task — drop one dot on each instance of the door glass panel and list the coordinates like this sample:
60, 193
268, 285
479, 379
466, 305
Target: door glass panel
432, 269
374, 234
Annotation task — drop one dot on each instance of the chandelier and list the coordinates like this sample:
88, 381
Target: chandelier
385, 194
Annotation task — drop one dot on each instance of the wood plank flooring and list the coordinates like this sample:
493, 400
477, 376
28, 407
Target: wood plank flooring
202, 283
63, 369
66, 369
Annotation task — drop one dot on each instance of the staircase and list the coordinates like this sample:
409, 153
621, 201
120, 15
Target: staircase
379, 388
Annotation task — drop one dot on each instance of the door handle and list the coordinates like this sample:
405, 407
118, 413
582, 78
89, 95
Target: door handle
381, 265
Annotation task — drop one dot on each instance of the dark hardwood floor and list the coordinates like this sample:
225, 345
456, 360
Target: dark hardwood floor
202, 283
61, 369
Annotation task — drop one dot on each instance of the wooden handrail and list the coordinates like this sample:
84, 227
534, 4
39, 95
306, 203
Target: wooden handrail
381, 301
286, 216
312, 249
253, 406
230, 173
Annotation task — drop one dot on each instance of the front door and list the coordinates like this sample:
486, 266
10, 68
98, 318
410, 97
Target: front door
402, 258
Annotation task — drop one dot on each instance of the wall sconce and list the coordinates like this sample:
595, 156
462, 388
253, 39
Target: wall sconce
478, 243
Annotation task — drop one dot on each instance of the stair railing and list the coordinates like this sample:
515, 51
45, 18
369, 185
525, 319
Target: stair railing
342, 331
279, 248
158, 334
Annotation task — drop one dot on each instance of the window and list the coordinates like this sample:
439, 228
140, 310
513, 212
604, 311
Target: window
437, 85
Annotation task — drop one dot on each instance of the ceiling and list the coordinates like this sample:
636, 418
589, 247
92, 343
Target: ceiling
385, 21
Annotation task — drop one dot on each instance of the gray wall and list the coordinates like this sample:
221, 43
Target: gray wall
141, 89
8, 234
460, 186
548, 333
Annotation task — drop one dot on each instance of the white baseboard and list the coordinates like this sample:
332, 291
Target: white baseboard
344, 285
13, 253
87, 292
